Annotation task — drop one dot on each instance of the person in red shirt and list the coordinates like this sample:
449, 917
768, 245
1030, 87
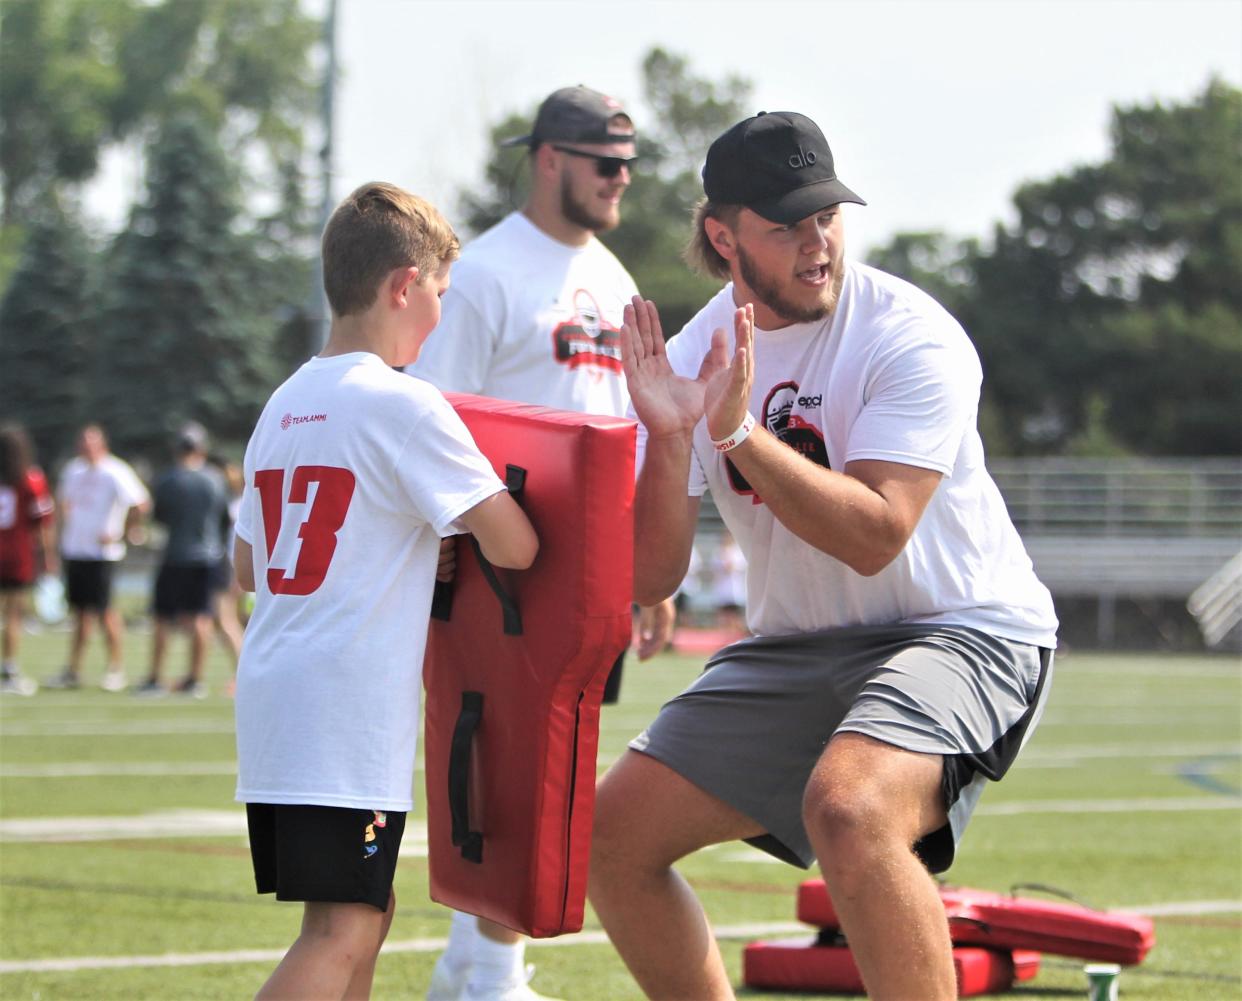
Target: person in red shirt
26, 547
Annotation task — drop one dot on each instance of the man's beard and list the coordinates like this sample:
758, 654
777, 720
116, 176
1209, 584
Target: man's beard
768, 291
578, 214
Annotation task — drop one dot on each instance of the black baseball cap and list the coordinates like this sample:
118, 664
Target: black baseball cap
777, 164
576, 115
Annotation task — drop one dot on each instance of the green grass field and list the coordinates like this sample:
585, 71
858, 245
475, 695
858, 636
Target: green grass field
124, 871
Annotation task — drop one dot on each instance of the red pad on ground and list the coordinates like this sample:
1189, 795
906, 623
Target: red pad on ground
805, 965
523, 710
1002, 921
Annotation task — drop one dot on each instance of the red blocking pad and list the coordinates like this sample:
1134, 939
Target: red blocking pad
513, 693
1002, 921
805, 965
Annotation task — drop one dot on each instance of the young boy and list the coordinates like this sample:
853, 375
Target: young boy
354, 474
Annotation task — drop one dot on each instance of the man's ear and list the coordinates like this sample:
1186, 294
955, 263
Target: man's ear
721, 237
399, 283
545, 160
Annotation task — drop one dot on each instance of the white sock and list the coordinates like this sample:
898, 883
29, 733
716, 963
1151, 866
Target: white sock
462, 934
497, 962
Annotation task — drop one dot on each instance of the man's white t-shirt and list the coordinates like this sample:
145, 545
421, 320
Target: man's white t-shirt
531, 319
95, 500
353, 474
889, 375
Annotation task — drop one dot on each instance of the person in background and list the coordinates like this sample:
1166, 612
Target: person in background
533, 316
27, 546
191, 501
226, 592
102, 503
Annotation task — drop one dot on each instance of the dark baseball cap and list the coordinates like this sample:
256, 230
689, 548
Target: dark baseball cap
192, 437
777, 164
576, 115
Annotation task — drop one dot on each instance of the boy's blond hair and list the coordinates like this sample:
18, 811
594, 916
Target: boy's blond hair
699, 253
375, 230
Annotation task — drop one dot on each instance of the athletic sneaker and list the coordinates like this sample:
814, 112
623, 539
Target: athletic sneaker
150, 690
66, 679
448, 983
514, 990
113, 680
194, 689
18, 684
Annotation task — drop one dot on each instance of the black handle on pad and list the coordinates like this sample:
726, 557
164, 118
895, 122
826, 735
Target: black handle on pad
442, 596
468, 720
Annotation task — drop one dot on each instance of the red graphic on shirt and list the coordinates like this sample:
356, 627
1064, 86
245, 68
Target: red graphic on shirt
788, 424
334, 490
587, 339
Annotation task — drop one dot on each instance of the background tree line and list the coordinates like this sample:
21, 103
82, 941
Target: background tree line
1108, 316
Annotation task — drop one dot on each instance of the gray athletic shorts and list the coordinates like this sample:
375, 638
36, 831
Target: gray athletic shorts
752, 726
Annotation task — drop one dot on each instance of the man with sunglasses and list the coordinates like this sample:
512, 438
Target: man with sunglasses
534, 315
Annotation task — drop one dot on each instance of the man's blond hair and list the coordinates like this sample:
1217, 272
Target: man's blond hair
375, 230
699, 253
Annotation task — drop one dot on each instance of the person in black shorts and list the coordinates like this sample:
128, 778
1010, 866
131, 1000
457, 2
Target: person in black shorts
191, 500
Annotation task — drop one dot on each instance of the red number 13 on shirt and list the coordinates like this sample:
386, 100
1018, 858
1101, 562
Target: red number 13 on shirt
318, 531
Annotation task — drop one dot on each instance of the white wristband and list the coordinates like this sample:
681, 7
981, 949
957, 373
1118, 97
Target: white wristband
738, 436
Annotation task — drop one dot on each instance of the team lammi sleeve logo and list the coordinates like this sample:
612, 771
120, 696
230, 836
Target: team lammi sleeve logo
587, 339
785, 414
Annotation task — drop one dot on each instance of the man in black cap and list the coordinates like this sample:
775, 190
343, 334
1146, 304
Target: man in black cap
902, 642
534, 315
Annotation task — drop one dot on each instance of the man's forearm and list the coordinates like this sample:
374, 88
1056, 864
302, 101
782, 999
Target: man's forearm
862, 524
664, 519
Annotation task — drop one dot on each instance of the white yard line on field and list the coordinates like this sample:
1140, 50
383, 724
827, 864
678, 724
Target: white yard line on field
742, 931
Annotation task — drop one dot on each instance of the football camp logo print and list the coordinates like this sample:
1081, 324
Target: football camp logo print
785, 417
587, 338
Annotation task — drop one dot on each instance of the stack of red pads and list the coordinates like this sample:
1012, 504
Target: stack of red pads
997, 941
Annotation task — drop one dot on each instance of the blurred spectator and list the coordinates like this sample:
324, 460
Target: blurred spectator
226, 592
26, 545
191, 501
102, 503
728, 572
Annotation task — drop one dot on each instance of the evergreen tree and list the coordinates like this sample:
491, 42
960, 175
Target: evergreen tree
184, 331
46, 340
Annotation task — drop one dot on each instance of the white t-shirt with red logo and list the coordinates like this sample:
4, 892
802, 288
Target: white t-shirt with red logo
353, 474
531, 319
95, 499
889, 375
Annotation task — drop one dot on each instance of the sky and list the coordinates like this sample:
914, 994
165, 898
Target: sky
935, 110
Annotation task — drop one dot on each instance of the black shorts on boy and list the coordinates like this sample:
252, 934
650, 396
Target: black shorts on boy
325, 854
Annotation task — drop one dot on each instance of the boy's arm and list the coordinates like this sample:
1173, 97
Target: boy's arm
505, 534
243, 564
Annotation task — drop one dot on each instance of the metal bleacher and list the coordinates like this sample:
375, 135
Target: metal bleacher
1111, 529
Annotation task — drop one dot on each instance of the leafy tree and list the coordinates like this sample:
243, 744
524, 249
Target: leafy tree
76, 75
46, 339
184, 331
687, 113
1109, 316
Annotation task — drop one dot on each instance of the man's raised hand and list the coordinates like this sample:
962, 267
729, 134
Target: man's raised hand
665, 402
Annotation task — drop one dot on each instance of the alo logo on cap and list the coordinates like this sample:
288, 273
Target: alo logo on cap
802, 158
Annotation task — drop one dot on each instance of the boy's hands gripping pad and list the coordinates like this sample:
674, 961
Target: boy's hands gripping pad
509, 837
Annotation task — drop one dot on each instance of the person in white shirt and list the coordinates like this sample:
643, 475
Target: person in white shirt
902, 643
534, 315
102, 503
354, 475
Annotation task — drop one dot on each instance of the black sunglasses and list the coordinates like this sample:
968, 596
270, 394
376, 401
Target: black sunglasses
605, 166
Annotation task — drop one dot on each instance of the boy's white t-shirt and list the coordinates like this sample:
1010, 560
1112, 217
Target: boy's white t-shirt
889, 375
96, 500
353, 474
531, 319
